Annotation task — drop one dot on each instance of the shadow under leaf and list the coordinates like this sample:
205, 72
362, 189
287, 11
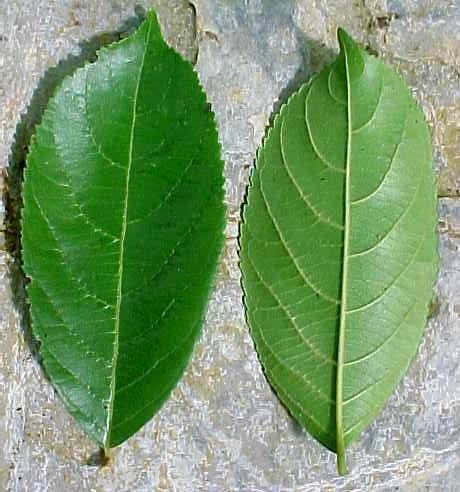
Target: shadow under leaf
315, 55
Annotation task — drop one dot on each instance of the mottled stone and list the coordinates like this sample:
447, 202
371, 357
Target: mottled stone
223, 428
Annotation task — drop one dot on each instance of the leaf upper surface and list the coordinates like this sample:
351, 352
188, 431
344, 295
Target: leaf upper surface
122, 229
338, 247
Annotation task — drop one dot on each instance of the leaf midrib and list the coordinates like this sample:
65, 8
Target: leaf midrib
340, 440
122, 246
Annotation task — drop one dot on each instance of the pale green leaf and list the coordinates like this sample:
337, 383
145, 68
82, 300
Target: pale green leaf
122, 228
338, 245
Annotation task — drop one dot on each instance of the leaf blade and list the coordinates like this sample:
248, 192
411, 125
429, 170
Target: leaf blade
126, 163
335, 176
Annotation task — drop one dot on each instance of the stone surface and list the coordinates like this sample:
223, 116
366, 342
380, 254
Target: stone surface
223, 429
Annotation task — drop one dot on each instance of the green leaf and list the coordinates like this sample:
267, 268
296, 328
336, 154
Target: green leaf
122, 228
338, 245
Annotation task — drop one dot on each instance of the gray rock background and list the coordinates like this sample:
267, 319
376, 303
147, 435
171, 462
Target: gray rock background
223, 429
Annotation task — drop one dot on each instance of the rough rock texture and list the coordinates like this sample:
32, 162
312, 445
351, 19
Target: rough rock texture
223, 429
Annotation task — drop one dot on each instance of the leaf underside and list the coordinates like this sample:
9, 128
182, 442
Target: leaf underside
122, 228
338, 245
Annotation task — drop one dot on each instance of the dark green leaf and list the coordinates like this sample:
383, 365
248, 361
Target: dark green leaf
338, 245
122, 228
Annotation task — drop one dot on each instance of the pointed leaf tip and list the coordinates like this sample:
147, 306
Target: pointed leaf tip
352, 53
151, 18
344, 38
